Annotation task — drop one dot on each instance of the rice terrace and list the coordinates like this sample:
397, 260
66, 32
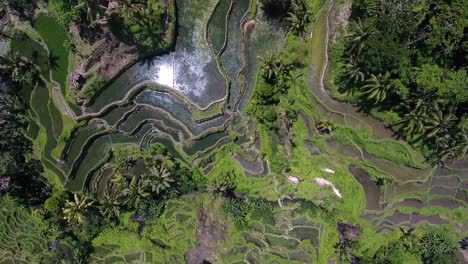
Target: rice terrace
233, 131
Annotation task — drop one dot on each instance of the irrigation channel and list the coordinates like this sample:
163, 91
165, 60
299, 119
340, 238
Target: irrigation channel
192, 99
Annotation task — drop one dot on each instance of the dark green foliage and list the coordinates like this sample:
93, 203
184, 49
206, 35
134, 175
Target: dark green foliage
143, 24
262, 211
24, 8
163, 176
436, 247
224, 186
64, 10
298, 17
18, 69
27, 182
236, 210
408, 63
274, 82
94, 88
275, 9
55, 203
432, 245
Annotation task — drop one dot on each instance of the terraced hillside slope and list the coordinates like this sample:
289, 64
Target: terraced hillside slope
224, 148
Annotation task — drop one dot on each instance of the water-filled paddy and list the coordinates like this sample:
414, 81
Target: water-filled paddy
54, 36
190, 70
371, 190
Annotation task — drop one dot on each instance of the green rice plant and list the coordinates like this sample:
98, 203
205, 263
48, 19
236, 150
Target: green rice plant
22, 232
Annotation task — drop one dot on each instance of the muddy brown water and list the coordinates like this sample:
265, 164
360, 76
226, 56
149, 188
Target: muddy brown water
254, 167
416, 218
439, 190
398, 217
371, 190
314, 151
338, 148
458, 164
462, 195
410, 203
446, 181
446, 203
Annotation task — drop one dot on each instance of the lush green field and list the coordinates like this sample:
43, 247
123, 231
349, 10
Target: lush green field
278, 172
54, 36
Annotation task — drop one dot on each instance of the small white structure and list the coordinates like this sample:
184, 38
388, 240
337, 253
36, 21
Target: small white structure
321, 182
293, 179
327, 170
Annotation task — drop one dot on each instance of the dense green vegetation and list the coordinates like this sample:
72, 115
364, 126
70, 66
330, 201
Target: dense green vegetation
406, 64
282, 178
144, 24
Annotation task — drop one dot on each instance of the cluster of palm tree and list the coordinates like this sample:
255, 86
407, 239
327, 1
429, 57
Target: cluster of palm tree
222, 186
17, 68
92, 9
75, 209
374, 87
426, 118
274, 70
127, 191
429, 121
134, 190
298, 17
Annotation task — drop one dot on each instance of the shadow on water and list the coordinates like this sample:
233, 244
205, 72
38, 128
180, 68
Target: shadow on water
371, 190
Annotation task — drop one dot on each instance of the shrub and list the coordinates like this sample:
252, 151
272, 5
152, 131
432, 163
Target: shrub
436, 247
54, 203
236, 210
93, 88
64, 10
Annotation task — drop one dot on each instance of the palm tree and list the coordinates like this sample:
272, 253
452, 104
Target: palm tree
448, 147
461, 144
75, 209
109, 205
299, 17
325, 126
128, 6
358, 36
270, 66
160, 179
438, 122
222, 186
408, 238
4, 8
18, 68
92, 8
150, 28
378, 87
352, 71
413, 123
4, 36
436, 247
441, 149
134, 192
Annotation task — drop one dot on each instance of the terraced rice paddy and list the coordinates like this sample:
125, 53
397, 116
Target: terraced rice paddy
191, 101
